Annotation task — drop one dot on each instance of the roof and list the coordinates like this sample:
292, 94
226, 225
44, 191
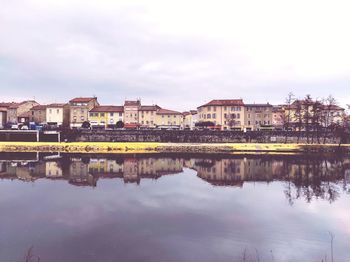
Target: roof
107, 109
167, 112
82, 99
25, 114
258, 105
225, 102
132, 103
7, 104
56, 105
16, 105
39, 107
150, 108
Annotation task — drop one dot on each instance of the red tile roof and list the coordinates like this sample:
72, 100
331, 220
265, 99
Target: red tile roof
39, 107
132, 103
7, 104
224, 102
25, 114
82, 99
108, 109
150, 108
167, 112
56, 105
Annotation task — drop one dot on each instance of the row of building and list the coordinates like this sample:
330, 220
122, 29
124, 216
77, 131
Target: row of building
224, 114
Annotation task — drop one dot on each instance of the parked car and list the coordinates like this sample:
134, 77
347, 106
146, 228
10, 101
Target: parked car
24, 127
14, 127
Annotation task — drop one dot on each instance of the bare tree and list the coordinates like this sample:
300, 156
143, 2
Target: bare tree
287, 116
316, 113
329, 103
298, 116
306, 114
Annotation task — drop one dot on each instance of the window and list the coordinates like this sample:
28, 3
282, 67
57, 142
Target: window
82, 118
238, 115
214, 115
209, 108
50, 111
248, 115
225, 108
225, 115
248, 122
208, 116
120, 114
102, 114
111, 114
82, 111
214, 108
58, 111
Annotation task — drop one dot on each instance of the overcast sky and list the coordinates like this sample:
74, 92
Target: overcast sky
178, 54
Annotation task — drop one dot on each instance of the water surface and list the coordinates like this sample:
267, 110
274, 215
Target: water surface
174, 207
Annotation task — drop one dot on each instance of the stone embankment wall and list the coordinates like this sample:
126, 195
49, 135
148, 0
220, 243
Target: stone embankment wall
206, 136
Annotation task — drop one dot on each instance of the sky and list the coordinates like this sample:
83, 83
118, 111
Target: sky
178, 54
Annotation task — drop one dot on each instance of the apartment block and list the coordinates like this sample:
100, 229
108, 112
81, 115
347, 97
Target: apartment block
227, 114
166, 118
79, 110
258, 116
20, 112
57, 114
106, 116
38, 114
3, 113
131, 111
190, 118
148, 115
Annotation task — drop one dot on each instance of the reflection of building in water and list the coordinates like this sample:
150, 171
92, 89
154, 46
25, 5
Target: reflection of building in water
53, 170
27, 171
235, 171
79, 173
133, 169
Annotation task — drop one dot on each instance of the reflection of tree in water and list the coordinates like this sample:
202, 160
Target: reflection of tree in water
316, 178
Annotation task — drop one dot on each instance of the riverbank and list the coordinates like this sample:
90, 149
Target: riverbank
152, 147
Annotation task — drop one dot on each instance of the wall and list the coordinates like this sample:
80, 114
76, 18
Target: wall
189, 136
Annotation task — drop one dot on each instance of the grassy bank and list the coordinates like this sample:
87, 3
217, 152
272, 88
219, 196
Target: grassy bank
127, 147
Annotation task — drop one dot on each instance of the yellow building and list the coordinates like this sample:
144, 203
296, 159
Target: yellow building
106, 116
225, 114
147, 116
168, 119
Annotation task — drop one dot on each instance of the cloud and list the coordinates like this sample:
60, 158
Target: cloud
177, 54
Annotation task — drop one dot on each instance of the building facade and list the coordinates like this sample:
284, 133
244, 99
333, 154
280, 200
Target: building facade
131, 111
106, 116
148, 116
226, 114
190, 118
79, 110
258, 116
18, 112
168, 119
38, 114
57, 114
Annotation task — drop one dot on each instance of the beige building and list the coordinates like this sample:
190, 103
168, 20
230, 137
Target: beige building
57, 114
38, 114
20, 112
225, 114
79, 110
106, 116
278, 117
258, 116
190, 118
168, 119
3, 113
